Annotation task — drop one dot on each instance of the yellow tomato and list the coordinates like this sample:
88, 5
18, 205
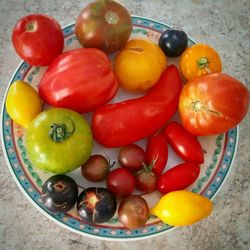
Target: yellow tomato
23, 103
181, 208
139, 65
199, 59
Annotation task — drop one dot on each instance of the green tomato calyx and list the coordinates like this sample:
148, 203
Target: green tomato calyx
59, 131
203, 63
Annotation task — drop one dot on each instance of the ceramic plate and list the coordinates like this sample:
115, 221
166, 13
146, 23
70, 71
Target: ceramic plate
219, 153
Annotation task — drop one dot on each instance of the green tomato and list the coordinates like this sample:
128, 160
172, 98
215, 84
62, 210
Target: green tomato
59, 140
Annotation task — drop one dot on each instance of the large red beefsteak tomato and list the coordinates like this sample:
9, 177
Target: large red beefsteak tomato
79, 79
213, 104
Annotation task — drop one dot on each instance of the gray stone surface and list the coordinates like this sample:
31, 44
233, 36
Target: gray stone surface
224, 25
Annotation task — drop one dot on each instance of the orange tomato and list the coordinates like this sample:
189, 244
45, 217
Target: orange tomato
199, 59
139, 65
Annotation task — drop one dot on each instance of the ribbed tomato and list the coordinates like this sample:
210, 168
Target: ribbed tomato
213, 104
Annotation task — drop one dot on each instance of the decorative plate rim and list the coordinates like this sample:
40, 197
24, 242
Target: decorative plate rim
67, 226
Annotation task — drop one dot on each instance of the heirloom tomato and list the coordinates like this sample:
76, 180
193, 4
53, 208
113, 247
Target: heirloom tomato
38, 39
199, 59
23, 103
157, 152
121, 182
120, 124
179, 177
213, 104
133, 212
104, 24
182, 208
80, 79
139, 65
183, 143
58, 140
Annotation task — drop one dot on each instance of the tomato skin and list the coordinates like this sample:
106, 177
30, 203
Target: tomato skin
20, 96
131, 157
61, 156
121, 182
213, 104
157, 150
199, 59
178, 177
139, 65
38, 39
79, 79
140, 117
145, 181
184, 144
106, 25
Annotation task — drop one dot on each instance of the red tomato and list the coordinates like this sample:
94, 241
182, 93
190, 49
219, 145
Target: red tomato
106, 25
79, 79
123, 123
121, 182
146, 180
184, 144
178, 177
38, 39
213, 104
131, 157
157, 151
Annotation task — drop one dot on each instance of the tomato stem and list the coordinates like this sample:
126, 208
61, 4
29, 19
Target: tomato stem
31, 26
59, 133
203, 63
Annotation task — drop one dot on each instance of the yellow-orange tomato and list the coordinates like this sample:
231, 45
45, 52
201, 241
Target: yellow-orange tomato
139, 65
199, 59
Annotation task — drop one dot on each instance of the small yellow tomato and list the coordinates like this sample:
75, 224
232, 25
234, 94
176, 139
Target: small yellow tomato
199, 59
139, 65
181, 208
23, 103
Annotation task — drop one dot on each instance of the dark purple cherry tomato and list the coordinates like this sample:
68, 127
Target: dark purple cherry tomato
96, 205
133, 212
157, 150
96, 168
145, 179
173, 42
184, 143
121, 182
178, 177
59, 193
131, 157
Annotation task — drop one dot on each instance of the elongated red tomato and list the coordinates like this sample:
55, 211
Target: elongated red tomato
123, 123
213, 104
178, 177
157, 150
184, 144
79, 79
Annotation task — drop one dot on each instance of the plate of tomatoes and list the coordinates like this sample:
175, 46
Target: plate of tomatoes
117, 136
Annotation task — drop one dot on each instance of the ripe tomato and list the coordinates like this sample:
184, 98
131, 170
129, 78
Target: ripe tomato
157, 152
58, 140
178, 177
18, 100
199, 59
133, 212
145, 179
105, 25
139, 65
38, 39
184, 144
121, 182
131, 157
120, 124
79, 79
213, 104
